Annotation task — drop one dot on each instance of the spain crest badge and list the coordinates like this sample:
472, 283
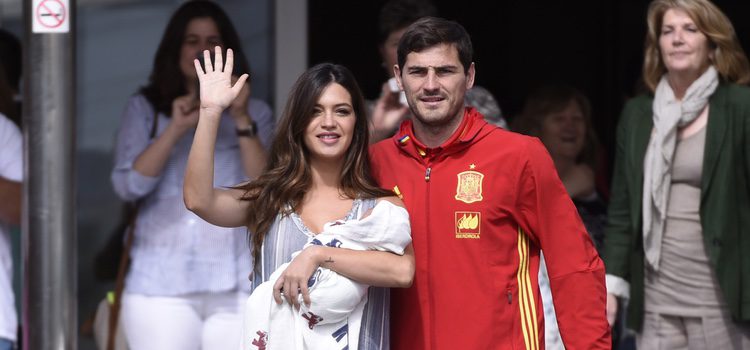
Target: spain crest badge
469, 188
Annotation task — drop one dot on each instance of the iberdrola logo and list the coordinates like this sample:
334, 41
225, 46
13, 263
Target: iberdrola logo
468, 224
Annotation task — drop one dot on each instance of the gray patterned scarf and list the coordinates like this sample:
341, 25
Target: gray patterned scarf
669, 115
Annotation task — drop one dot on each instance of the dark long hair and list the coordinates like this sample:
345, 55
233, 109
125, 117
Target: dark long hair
166, 81
288, 176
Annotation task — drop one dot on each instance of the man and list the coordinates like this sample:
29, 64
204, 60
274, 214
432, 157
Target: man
483, 202
390, 107
11, 170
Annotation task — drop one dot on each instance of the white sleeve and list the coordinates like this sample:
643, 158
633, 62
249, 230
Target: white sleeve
387, 228
11, 150
617, 286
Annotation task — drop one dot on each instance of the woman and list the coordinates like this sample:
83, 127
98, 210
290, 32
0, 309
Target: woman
187, 280
318, 173
676, 238
561, 117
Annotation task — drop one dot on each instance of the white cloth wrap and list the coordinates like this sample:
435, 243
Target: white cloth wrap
337, 301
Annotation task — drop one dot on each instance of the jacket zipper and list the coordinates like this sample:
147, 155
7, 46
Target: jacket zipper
431, 316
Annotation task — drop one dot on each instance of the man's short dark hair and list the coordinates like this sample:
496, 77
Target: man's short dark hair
431, 31
399, 14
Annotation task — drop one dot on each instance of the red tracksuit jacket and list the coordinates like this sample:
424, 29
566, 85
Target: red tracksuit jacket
482, 206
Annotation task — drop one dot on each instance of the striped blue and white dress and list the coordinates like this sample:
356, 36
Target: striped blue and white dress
288, 234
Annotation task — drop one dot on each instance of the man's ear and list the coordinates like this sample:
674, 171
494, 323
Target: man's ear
470, 76
397, 75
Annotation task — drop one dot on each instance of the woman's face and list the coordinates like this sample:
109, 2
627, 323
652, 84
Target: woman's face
331, 128
684, 49
564, 132
388, 50
201, 34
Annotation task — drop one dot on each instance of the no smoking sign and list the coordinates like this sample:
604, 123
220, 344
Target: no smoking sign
51, 16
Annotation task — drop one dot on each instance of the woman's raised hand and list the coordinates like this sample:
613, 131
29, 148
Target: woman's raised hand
216, 89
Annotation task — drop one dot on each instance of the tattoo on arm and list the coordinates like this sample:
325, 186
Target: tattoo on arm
329, 260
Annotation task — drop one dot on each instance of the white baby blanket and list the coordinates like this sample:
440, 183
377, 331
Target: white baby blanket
332, 321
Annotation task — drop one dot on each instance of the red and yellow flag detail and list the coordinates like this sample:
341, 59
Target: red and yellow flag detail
397, 191
468, 224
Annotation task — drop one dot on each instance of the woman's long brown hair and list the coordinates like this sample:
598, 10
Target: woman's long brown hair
282, 187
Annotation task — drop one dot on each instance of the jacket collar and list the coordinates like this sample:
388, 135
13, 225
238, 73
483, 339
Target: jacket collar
472, 127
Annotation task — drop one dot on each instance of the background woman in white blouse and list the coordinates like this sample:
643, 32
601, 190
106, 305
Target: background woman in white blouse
188, 278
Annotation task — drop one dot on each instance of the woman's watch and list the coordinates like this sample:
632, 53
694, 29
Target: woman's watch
250, 131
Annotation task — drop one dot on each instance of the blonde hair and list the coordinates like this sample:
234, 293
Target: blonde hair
728, 58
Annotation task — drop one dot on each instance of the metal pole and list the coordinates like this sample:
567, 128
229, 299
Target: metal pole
49, 237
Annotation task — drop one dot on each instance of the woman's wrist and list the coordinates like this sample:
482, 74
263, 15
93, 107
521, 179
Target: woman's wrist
251, 130
241, 120
318, 255
211, 111
325, 259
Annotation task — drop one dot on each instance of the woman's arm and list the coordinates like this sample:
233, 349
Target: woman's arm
132, 139
184, 117
11, 193
221, 207
375, 268
251, 150
11, 172
618, 231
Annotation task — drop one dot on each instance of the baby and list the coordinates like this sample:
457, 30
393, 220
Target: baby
333, 318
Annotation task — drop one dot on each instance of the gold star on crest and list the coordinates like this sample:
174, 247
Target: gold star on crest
472, 166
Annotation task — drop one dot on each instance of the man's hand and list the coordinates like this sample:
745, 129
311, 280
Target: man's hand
611, 309
387, 114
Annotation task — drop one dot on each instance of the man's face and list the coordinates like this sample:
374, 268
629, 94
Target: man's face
435, 83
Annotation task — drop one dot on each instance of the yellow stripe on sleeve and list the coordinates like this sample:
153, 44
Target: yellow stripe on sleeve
527, 304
